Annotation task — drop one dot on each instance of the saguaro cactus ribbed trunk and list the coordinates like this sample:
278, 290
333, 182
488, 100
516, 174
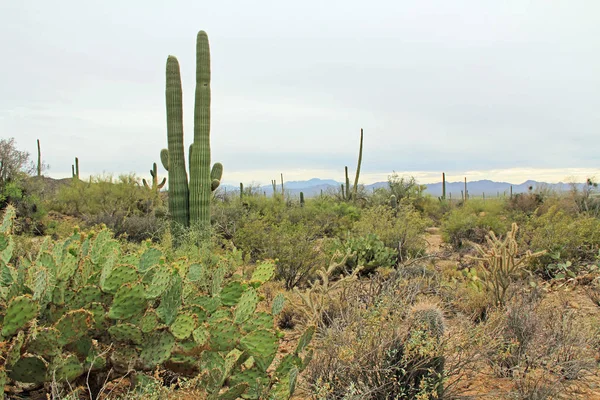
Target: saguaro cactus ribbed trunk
190, 204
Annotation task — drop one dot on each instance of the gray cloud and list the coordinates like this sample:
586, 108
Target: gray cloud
461, 85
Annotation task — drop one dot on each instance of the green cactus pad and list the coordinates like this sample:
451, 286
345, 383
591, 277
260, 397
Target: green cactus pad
210, 304
286, 364
157, 349
305, 339
124, 359
67, 267
263, 272
195, 273
118, 277
260, 320
218, 315
66, 368
46, 342
246, 306
183, 326
14, 351
262, 345
149, 321
256, 380
126, 333
29, 369
224, 335
278, 303
231, 293
235, 392
47, 261
197, 311
43, 286
149, 259
86, 295
73, 325
170, 301
160, 281
200, 335
19, 312
129, 300
307, 359
99, 313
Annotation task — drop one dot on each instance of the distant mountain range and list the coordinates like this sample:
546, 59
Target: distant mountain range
313, 187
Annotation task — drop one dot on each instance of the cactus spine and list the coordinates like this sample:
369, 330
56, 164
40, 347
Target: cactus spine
190, 204
155, 185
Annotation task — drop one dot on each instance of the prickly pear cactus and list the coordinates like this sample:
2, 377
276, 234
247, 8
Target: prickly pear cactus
83, 306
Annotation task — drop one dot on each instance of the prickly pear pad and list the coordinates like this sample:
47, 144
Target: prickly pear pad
129, 300
183, 326
29, 369
246, 305
157, 349
262, 345
20, 311
118, 277
73, 325
126, 333
263, 272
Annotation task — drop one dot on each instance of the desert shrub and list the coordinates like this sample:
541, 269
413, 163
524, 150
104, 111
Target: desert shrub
525, 203
294, 246
400, 229
366, 251
538, 347
565, 237
372, 355
120, 204
473, 221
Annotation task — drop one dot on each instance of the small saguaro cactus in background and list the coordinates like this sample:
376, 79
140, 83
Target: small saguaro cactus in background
393, 202
466, 192
282, 190
274, 184
39, 161
241, 190
155, 185
301, 199
348, 194
75, 169
443, 186
190, 204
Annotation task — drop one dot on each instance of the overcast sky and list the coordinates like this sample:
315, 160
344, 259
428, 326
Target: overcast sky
491, 89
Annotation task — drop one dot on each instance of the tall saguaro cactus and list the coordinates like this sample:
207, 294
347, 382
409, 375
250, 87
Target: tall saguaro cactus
39, 163
190, 204
347, 194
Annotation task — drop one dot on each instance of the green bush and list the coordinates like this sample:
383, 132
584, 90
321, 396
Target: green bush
400, 229
122, 204
294, 246
473, 221
367, 251
566, 237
